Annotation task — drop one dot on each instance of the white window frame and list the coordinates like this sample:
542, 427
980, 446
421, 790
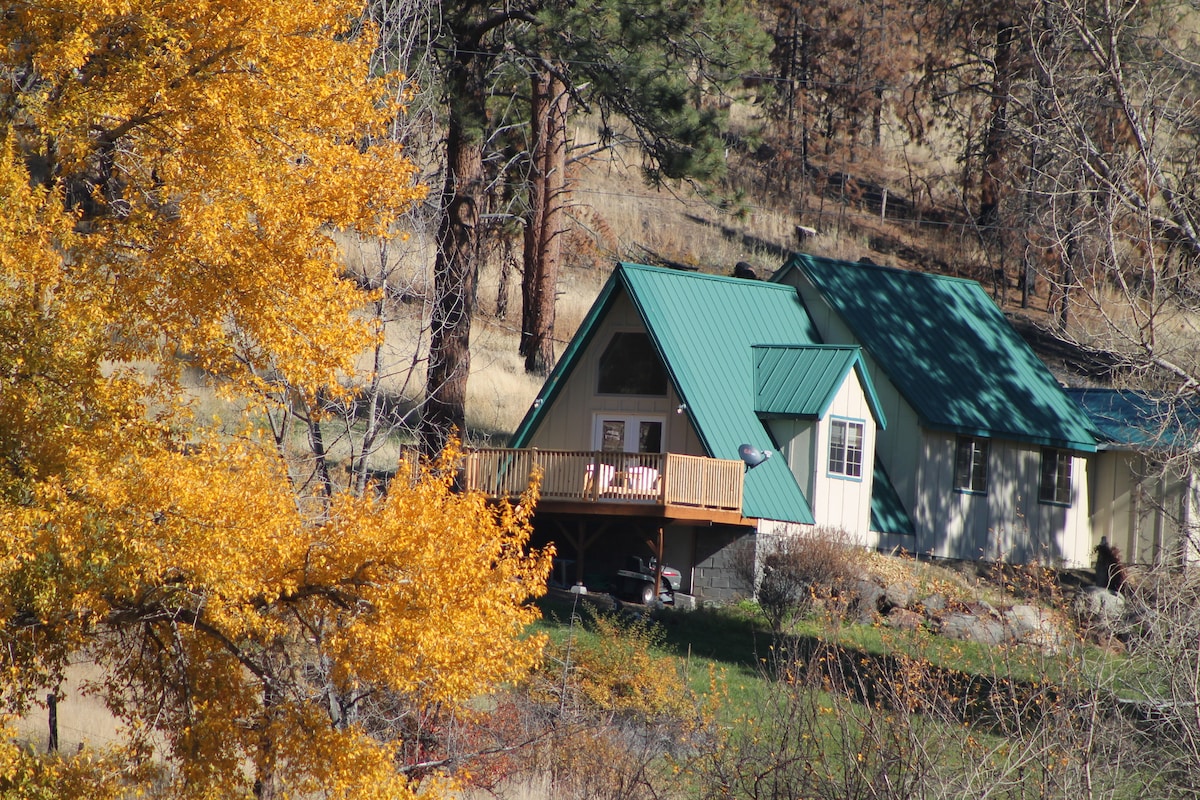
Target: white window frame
974, 479
840, 470
632, 430
1057, 465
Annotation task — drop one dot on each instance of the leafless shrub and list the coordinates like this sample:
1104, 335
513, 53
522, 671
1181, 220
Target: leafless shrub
794, 573
1160, 682
603, 718
838, 722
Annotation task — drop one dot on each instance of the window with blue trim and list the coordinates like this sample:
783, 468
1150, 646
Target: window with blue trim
970, 465
1055, 484
845, 448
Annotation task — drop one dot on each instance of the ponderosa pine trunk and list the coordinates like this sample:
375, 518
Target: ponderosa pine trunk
995, 143
455, 267
544, 224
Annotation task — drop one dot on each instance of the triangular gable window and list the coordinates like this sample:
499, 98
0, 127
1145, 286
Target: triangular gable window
630, 365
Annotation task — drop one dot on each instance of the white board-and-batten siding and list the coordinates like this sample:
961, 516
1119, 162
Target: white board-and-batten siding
837, 502
1007, 522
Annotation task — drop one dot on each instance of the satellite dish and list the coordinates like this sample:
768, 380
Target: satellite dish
752, 456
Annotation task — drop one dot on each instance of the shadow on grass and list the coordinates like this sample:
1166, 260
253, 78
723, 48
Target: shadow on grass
727, 635
990, 691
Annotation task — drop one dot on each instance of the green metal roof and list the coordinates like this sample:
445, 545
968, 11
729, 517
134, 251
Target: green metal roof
950, 352
887, 510
704, 327
801, 381
1135, 420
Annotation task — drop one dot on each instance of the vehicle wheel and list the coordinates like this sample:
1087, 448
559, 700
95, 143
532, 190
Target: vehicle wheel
647, 593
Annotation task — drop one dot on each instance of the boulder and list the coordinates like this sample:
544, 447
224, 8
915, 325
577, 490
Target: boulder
972, 628
866, 602
900, 595
1099, 609
984, 607
1035, 627
905, 620
934, 603
1024, 619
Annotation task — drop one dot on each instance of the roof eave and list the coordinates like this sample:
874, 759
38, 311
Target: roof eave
1040, 441
566, 364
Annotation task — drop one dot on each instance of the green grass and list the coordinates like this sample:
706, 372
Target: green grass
726, 654
735, 644
718, 649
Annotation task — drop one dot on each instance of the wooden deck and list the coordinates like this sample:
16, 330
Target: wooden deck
665, 485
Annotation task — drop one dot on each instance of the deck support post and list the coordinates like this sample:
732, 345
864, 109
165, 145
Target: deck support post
658, 560
581, 541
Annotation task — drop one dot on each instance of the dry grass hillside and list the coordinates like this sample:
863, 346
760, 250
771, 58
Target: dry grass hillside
615, 216
752, 217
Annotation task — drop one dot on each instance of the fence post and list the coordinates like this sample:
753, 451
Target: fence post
52, 705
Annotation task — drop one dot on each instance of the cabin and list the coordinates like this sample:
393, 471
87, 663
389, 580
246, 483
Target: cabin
694, 416
638, 430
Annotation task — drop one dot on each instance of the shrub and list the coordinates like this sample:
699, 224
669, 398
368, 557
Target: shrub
605, 715
793, 573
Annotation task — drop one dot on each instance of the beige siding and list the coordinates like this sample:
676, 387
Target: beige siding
1147, 511
569, 424
899, 445
796, 438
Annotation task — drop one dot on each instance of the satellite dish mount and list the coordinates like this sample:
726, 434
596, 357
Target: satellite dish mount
751, 456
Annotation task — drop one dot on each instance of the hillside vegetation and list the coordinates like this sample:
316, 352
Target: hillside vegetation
252, 252
1046, 150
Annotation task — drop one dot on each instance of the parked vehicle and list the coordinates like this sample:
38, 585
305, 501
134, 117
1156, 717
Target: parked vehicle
637, 580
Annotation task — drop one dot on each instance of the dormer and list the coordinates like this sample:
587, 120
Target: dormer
821, 409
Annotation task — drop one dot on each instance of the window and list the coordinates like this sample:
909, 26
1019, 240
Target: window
845, 448
630, 365
1055, 485
629, 435
970, 465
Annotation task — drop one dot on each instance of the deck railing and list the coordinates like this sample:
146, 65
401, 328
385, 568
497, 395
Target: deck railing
605, 477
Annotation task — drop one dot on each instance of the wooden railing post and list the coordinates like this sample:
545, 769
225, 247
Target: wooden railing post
594, 483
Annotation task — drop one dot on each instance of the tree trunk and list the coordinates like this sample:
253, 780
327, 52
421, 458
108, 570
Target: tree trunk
539, 122
266, 776
994, 144
316, 442
456, 266
1068, 248
543, 243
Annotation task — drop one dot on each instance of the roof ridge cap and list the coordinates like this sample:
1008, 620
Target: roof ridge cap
886, 268
628, 265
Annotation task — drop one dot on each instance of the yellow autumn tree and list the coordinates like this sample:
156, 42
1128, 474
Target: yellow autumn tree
170, 171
